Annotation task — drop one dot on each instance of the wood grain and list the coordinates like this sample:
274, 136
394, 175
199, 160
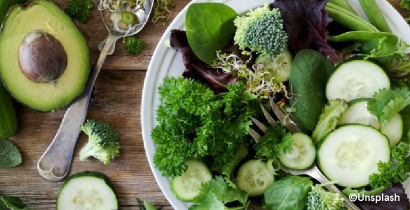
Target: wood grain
95, 32
117, 101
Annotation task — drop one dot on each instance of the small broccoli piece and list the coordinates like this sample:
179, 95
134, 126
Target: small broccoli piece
261, 30
79, 9
133, 45
10, 156
102, 142
320, 199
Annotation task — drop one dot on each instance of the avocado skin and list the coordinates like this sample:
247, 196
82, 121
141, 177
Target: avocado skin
6, 4
44, 97
8, 116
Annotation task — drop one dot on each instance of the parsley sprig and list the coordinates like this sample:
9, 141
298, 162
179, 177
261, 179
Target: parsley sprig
275, 142
395, 171
386, 103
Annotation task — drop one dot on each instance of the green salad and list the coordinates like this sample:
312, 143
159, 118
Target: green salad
288, 85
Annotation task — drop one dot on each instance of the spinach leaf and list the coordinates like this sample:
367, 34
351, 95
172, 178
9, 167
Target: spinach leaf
289, 193
209, 28
310, 72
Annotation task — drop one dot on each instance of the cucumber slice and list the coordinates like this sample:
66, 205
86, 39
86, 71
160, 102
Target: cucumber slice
351, 153
254, 177
87, 190
186, 187
128, 18
393, 130
303, 153
278, 67
357, 114
356, 78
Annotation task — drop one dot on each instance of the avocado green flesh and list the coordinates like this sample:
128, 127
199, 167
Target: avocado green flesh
48, 17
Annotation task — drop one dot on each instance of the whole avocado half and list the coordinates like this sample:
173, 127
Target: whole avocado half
44, 58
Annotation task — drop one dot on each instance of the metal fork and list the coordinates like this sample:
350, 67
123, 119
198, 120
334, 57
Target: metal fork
314, 171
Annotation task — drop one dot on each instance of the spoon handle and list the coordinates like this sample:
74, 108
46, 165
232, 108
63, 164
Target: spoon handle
55, 163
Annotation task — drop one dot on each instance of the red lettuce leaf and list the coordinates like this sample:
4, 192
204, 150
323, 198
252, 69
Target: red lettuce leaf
195, 68
400, 204
305, 23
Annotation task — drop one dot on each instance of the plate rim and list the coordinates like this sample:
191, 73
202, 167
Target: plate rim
160, 52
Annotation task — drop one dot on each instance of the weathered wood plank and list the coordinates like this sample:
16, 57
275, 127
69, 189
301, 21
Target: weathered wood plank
95, 32
117, 101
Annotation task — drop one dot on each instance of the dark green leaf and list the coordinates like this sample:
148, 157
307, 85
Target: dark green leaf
310, 72
209, 28
289, 193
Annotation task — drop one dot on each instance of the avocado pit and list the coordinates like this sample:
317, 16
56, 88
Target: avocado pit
42, 57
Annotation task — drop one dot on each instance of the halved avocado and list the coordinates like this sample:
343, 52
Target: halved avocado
44, 58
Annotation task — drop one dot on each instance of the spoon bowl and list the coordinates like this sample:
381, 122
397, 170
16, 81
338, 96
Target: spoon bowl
111, 14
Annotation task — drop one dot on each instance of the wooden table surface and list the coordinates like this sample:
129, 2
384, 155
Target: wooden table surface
118, 102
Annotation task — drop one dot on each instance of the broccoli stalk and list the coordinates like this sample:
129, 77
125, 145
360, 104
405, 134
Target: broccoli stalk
329, 119
320, 199
261, 30
102, 142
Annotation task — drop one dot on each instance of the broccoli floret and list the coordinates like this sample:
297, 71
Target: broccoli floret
261, 30
79, 9
102, 142
133, 45
10, 155
320, 199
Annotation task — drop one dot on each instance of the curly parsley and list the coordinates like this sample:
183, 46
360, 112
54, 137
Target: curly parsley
195, 123
79, 9
275, 142
395, 171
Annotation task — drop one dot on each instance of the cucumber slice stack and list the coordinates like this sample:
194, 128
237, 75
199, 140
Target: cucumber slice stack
87, 190
351, 153
357, 114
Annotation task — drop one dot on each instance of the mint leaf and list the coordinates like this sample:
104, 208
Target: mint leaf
386, 103
10, 156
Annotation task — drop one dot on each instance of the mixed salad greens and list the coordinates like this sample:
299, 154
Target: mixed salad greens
342, 79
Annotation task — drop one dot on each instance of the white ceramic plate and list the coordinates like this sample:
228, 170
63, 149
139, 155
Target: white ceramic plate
167, 62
